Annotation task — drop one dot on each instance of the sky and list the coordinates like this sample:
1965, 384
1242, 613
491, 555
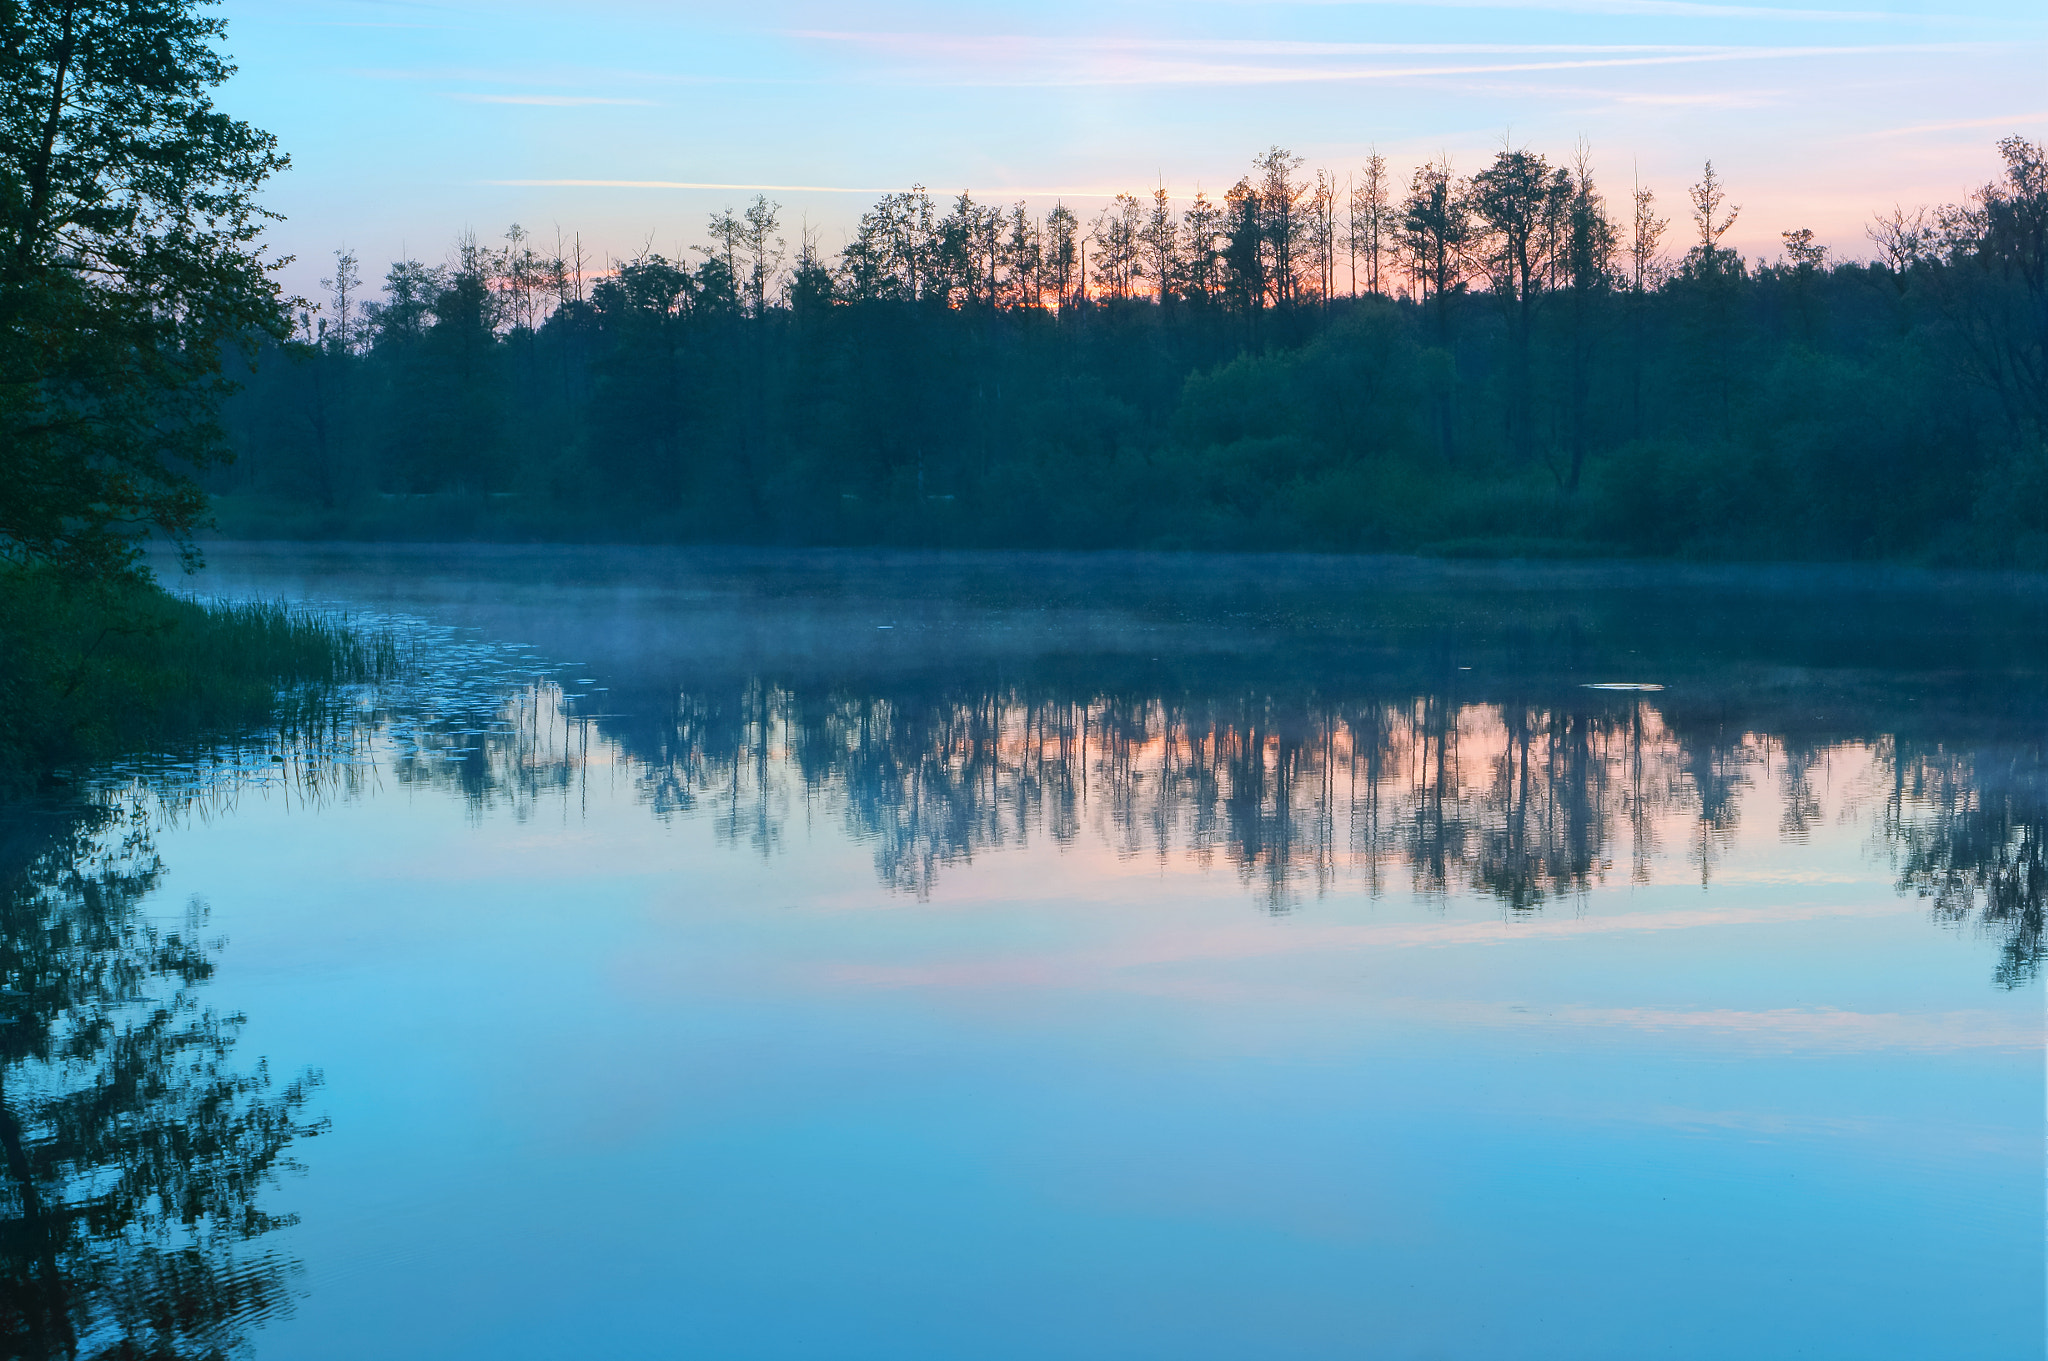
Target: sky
627, 122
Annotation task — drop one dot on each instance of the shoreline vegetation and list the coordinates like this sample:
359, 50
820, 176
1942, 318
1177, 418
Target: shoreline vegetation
1494, 364
91, 671
132, 272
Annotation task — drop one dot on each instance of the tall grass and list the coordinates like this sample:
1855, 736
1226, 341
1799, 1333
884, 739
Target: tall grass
94, 670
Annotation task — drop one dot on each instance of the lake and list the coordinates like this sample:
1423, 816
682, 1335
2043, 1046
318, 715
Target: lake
866, 955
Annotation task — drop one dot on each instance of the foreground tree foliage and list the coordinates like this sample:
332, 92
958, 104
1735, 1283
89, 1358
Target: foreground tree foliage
130, 277
128, 271
1491, 363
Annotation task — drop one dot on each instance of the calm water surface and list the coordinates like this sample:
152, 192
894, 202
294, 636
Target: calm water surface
750, 956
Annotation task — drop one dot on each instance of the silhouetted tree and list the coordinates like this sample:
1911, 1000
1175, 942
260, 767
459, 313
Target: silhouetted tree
1587, 260
129, 271
1371, 221
1518, 201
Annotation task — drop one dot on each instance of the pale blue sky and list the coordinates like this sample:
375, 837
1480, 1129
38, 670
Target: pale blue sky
410, 121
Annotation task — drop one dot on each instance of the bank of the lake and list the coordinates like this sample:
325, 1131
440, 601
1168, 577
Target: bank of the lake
1525, 519
94, 670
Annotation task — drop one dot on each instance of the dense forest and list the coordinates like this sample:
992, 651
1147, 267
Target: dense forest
1500, 363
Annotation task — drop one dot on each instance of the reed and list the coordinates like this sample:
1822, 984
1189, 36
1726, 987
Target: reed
90, 671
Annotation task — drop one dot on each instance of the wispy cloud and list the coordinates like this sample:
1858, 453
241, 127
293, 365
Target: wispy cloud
1612, 99
2010, 120
1781, 1028
551, 101
584, 76
1818, 1027
1016, 60
1660, 9
1708, 99
952, 45
682, 184
994, 191
453, 73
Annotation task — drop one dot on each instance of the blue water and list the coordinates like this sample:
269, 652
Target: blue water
1145, 958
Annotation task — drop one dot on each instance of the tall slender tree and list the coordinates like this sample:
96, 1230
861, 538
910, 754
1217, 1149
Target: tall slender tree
1321, 209
344, 286
1162, 245
1436, 228
1282, 221
1201, 257
1713, 271
1062, 254
1023, 258
1367, 218
1590, 243
1646, 271
1518, 200
1118, 235
1646, 230
1708, 257
1244, 252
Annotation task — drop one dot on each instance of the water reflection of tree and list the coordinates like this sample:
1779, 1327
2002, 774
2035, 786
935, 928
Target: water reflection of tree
1522, 801
1545, 820
1966, 830
513, 751
1716, 756
136, 1157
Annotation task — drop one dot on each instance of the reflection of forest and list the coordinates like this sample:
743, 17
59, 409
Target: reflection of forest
1522, 802
1966, 830
136, 1156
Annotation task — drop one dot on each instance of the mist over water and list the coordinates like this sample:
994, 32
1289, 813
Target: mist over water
787, 955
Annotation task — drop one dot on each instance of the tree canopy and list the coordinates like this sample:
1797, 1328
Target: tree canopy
1484, 362
129, 269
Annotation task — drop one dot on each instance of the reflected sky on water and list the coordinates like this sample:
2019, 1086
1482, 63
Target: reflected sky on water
758, 955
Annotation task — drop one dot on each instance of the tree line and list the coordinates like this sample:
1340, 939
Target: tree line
1492, 362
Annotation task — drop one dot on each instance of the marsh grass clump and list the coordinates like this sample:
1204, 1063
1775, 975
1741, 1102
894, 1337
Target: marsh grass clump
94, 669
